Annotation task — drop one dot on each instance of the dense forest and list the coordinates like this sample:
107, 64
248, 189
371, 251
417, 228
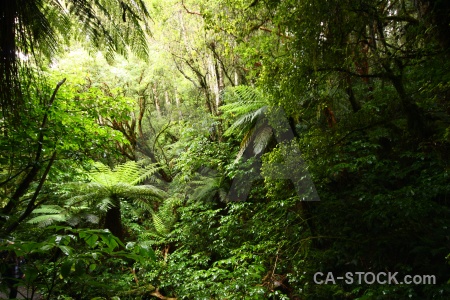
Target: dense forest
233, 149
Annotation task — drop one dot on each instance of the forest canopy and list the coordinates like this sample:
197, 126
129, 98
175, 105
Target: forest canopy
236, 149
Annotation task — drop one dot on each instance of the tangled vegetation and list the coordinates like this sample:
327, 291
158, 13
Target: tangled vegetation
225, 149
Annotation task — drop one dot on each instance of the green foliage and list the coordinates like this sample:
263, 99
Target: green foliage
248, 106
37, 28
346, 101
104, 191
78, 257
129, 173
162, 222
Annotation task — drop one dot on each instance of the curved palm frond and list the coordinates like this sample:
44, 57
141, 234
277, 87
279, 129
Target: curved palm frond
246, 121
24, 27
36, 27
262, 139
249, 106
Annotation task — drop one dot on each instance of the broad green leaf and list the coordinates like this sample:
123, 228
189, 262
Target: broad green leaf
91, 240
66, 249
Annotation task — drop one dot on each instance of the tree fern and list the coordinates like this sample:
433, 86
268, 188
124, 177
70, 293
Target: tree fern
129, 173
209, 188
243, 99
50, 214
247, 120
106, 189
163, 220
248, 106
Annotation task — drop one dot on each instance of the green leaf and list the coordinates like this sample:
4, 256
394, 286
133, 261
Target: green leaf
110, 241
66, 249
62, 239
92, 267
91, 239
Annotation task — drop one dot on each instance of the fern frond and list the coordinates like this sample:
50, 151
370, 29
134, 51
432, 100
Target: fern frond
48, 209
246, 121
241, 108
128, 172
105, 204
143, 203
69, 214
104, 178
145, 173
99, 21
45, 220
160, 226
163, 222
138, 40
151, 234
262, 138
79, 200
243, 94
246, 140
164, 219
148, 191
100, 168
91, 218
209, 188
241, 100
249, 105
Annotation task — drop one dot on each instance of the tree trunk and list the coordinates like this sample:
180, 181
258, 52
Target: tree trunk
414, 116
236, 78
156, 99
356, 106
168, 104
220, 86
113, 219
